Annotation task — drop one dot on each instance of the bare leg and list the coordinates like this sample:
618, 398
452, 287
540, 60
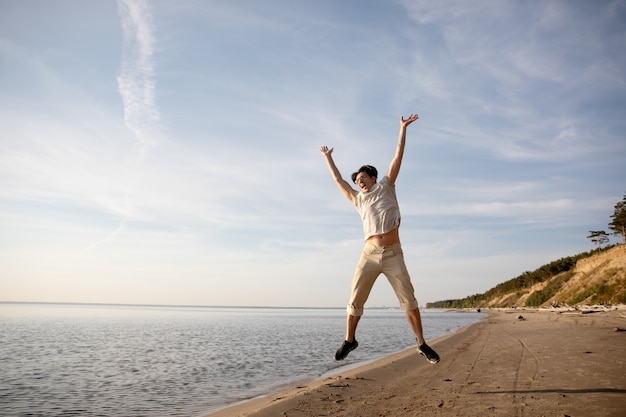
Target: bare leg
351, 323
415, 320
350, 344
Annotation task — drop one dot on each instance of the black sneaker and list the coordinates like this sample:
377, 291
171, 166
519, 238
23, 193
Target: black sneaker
346, 347
428, 352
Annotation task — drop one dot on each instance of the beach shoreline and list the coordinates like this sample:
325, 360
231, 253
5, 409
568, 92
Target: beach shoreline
523, 361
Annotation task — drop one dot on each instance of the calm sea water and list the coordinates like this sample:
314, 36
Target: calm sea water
99, 360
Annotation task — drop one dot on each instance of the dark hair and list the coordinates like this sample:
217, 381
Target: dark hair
368, 169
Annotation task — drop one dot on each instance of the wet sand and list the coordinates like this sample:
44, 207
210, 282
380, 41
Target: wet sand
513, 363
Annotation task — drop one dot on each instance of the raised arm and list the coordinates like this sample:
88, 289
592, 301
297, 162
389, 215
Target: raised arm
394, 167
343, 185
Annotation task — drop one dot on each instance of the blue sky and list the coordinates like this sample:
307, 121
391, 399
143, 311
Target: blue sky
168, 152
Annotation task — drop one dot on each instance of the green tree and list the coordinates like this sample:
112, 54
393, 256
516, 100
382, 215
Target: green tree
618, 225
598, 237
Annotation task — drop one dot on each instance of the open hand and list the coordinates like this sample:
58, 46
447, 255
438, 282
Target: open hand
409, 120
326, 151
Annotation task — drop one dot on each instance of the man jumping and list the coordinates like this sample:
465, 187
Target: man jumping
377, 204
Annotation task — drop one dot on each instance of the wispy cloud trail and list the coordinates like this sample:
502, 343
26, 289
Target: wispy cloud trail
137, 88
136, 78
119, 229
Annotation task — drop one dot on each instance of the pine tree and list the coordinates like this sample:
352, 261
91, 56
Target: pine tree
598, 237
618, 225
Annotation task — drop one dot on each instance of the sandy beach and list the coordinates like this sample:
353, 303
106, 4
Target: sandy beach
519, 362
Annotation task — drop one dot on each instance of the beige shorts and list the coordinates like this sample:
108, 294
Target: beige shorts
374, 261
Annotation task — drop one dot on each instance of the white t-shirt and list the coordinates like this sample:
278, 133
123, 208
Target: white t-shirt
378, 208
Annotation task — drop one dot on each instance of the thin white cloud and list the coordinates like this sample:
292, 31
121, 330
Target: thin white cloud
136, 78
136, 85
119, 229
